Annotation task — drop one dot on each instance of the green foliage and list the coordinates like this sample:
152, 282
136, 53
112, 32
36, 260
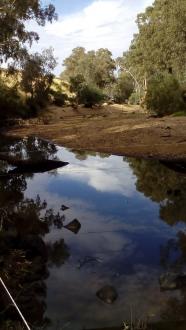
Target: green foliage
134, 98
103, 68
89, 74
90, 95
14, 36
60, 92
95, 68
59, 98
11, 103
76, 83
179, 114
123, 88
37, 77
160, 44
14, 42
164, 95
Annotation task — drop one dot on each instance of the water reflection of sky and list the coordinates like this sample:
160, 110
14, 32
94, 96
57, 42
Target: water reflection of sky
120, 228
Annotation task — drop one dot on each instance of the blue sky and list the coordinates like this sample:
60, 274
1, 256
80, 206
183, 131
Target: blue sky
92, 24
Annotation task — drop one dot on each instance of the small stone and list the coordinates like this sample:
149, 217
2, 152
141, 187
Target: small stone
64, 207
73, 226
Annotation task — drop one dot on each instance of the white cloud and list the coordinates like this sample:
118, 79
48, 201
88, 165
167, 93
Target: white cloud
102, 24
103, 175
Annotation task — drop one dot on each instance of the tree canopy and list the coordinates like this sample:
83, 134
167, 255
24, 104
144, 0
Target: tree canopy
160, 44
37, 74
14, 36
96, 67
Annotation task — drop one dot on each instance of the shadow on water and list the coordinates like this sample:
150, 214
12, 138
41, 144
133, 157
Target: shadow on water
66, 234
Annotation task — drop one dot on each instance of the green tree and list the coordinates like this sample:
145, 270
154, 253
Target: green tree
164, 95
104, 68
14, 36
123, 88
74, 63
37, 76
87, 94
159, 45
96, 68
90, 95
12, 105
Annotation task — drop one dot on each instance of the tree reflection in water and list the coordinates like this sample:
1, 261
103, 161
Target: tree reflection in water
163, 186
168, 188
83, 155
24, 256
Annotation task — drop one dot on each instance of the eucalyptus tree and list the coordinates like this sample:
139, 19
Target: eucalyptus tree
96, 67
104, 68
37, 75
14, 36
73, 63
160, 44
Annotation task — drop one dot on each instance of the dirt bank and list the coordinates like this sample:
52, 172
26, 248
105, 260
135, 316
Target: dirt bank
120, 130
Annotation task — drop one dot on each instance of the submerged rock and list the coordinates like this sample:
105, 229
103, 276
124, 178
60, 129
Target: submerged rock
73, 226
108, 294
64, 207
172, 281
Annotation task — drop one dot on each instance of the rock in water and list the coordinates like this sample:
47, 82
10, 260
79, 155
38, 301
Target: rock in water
64, 207
73, 226
108, 294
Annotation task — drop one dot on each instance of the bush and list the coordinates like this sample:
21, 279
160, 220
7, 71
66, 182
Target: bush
59, 98
11, 103
134, 98
90, 95
164, 95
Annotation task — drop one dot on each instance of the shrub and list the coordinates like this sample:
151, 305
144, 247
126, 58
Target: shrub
11, 103
86, 94
90, 95
59, 98
134, 98
164, 95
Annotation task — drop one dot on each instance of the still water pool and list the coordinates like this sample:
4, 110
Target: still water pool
129, 229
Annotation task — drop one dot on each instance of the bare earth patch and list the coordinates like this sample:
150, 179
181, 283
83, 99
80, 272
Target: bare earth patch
120, 130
